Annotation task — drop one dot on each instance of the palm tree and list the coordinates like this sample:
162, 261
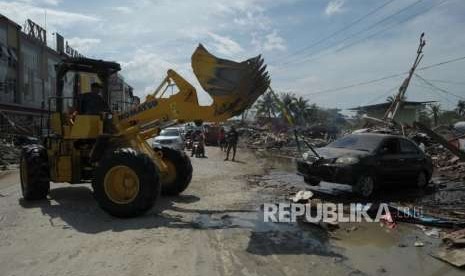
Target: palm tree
435, 111
266, 106
300, 109
288, 100
461, 108
392, 98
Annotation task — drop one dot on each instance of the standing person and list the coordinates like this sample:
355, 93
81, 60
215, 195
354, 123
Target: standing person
222, 139
232, 138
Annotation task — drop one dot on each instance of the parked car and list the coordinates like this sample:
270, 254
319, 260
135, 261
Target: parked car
169, 137
367, 161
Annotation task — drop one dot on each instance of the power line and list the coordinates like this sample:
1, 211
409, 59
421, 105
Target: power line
435, 93
356, 84
386, 77
358, 33
438, 88
385, 94
391, 26
440, 63
447, 81
310, 46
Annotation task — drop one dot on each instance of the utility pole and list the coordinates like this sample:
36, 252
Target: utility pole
397, 103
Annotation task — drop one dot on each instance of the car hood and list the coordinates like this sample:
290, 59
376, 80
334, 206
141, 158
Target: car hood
161, 138
332, 153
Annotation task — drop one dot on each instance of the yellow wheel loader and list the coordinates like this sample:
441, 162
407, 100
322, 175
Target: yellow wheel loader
109, 149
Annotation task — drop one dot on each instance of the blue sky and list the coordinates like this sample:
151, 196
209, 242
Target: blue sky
149, 36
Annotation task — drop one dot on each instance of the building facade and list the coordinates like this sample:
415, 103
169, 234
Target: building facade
28, 79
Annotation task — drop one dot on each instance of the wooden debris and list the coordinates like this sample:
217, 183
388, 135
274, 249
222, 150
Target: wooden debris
456, 238
454, 256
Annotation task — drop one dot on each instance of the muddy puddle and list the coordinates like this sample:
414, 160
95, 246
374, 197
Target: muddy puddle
377, 250
371, 248
267, 238
442, 193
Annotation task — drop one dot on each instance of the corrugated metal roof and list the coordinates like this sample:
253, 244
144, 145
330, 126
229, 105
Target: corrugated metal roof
387, 104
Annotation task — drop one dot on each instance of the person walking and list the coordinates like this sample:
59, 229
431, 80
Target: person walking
222, 139
232, 137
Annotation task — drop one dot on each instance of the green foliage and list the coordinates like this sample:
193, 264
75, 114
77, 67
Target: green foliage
302, 111
435, 112
460, 108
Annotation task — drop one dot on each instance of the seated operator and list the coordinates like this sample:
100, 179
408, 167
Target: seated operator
92, 103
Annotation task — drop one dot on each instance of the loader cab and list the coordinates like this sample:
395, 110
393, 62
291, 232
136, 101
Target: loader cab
82, 98
78, 117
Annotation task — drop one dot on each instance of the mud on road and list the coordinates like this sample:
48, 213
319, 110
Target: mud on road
214, 228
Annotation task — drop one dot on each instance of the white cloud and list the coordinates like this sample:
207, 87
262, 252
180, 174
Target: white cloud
83, 45
122, 9
270, 42
20, 11
274, 42
225, 45
393, 52
147, 69
334, 6
42, 2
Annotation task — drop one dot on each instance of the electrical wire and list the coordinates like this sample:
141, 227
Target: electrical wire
358, 33
348, 26
386, 77
437, 88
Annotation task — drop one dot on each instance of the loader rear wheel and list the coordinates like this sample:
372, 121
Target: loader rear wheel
179, 171
34, 172
126, 183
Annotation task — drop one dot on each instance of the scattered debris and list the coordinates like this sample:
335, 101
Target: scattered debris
419, 244
454, 256
456, 238
9, 153
351, 229
302, 197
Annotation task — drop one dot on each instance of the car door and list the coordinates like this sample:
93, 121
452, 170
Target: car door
413, 159
389, 164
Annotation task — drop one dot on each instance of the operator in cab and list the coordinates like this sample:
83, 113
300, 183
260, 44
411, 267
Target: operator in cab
92, 103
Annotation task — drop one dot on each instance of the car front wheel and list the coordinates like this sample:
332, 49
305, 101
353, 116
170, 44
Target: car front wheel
422, 180
365, 186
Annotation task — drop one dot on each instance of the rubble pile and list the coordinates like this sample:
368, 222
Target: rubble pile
446, 163
282, 142
9, 154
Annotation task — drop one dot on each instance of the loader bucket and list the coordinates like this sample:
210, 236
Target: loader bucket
234, 86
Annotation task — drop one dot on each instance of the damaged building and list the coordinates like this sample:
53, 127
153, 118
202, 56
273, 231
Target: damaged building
409, 113
28, 80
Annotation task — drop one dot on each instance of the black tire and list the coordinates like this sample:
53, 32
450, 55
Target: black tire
34, 172
365, 185
148, 179
183, 167
422, 180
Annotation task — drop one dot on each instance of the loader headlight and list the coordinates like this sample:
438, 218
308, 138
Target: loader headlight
347, 160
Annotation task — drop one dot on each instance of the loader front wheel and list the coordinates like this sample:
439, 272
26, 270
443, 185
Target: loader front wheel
179, 171
34, 172
126, 183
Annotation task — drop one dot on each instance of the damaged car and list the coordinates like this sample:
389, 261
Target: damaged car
368, 162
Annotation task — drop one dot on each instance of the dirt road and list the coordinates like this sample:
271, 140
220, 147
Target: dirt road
214, 228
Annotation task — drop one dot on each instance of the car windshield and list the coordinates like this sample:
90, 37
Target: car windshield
169, 132
357, 142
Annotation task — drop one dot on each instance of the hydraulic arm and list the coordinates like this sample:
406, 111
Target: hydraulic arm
232, 86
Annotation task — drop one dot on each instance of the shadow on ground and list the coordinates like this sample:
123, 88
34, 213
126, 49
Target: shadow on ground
75, 208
